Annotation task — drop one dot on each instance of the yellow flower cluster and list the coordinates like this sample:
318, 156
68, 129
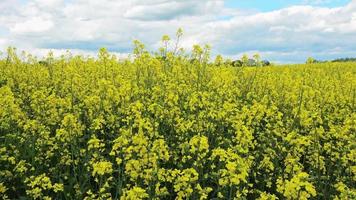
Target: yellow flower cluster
38, 186
174, 125
101, 168
297, 188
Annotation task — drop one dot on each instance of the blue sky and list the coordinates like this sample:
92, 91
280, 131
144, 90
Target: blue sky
281, 31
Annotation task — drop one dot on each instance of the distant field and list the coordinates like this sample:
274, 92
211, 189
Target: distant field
175, 127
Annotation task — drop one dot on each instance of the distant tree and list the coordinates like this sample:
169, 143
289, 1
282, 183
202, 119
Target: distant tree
265, 63
344, 60
228, 62
251, 63
237, 63
311, 60
43, 62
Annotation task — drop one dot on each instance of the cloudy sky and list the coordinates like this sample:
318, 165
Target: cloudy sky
280, 30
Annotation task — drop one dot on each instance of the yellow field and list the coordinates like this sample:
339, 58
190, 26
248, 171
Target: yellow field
175, 128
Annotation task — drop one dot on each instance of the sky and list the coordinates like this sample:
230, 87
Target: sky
279, 30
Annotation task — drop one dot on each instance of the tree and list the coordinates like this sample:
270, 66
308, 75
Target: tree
310, 60
237, 63
265, 63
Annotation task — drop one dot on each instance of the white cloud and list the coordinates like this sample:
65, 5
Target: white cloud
316, 2
32, 25
299, 28
172, 9
86, 25
48, 3
3, 42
